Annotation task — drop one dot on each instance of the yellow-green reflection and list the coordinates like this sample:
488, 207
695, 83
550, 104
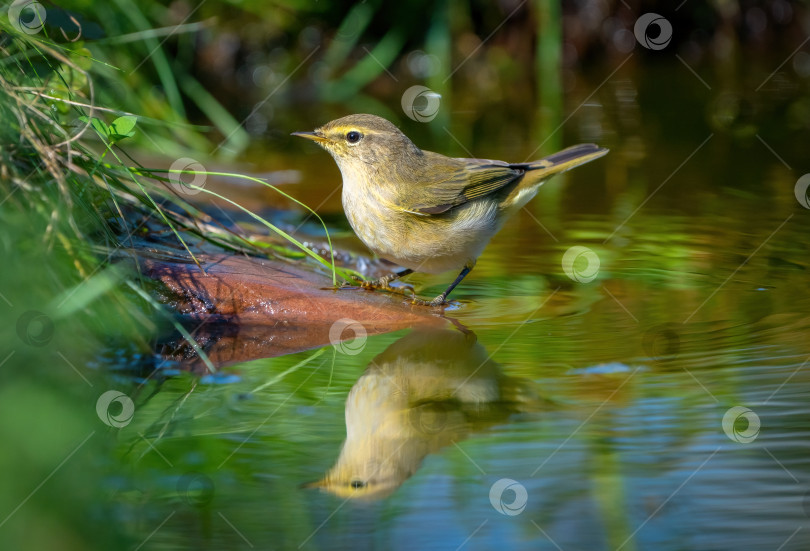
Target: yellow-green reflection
427, 390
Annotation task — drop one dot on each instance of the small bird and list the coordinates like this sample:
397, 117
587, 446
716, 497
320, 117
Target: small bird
426, 391
424, 211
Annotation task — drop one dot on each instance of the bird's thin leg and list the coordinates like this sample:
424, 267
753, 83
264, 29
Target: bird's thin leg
383, 281
439, 300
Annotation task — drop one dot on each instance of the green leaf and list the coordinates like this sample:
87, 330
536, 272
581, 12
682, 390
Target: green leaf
123, 127
99, 125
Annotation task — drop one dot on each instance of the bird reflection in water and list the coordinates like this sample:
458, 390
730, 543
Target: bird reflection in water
428, 390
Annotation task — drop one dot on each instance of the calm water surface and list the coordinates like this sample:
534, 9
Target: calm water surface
657, 402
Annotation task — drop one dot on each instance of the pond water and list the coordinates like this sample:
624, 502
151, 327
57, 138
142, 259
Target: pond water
655, 401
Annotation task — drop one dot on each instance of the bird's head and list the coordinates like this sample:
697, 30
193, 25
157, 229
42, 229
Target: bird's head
357, 140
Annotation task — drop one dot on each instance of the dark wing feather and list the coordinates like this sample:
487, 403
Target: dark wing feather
461, 180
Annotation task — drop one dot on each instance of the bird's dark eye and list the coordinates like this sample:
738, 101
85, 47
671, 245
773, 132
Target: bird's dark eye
353, 136
357, 483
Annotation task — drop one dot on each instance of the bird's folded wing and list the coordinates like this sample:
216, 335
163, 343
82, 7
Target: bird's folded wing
453, 182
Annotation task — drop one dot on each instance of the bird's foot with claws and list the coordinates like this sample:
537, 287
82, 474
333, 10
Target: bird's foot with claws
374, 284
380, 283
438, 301
355, 281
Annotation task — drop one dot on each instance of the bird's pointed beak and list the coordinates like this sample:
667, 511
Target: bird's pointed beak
314, 136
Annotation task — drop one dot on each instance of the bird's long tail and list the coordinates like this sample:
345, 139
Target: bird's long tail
563, 160
543, 169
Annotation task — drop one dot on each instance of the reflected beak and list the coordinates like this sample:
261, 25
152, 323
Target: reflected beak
314, 136
316, 483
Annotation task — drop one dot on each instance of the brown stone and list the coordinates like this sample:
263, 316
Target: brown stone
241, 308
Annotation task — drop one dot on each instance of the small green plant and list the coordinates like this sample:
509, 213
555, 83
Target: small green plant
63, 158
121, 128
